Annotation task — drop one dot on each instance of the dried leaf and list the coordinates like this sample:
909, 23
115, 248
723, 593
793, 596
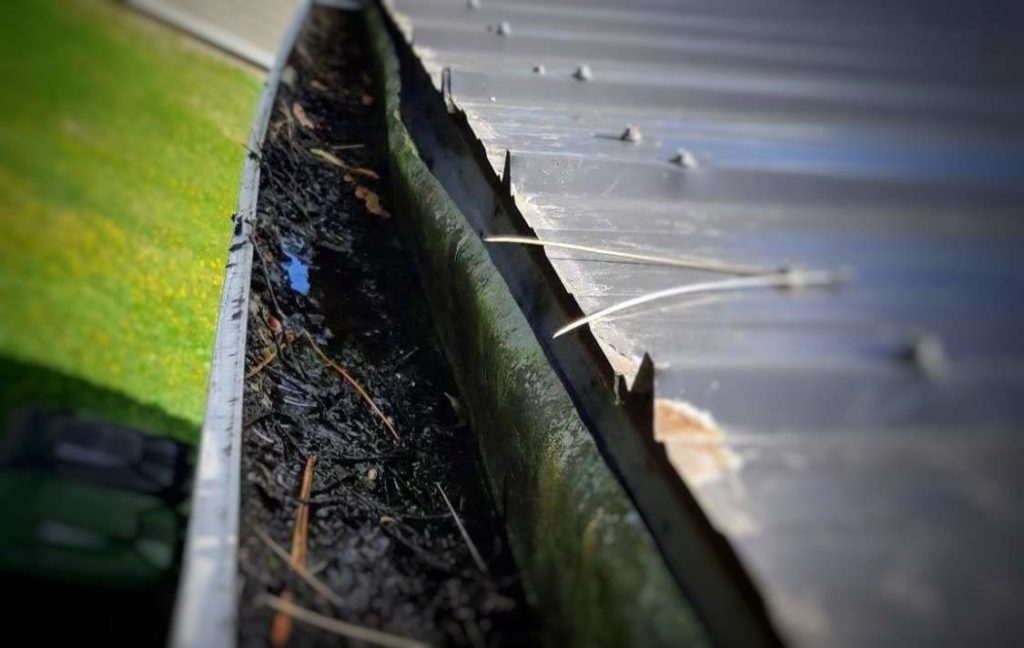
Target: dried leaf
300, 115
367, 100
330, 158
369, 173
372, 201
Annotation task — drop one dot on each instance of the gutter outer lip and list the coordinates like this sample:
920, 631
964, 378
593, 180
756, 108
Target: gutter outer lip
205, 611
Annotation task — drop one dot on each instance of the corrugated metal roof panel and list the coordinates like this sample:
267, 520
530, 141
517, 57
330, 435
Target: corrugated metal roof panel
864, 450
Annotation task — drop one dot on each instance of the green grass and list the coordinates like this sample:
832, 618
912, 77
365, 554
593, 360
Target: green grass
120, 153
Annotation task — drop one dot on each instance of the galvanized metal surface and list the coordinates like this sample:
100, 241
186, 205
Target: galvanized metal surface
206, 606
860, 446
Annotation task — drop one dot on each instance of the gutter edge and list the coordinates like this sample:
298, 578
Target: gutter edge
586, 556
206, 605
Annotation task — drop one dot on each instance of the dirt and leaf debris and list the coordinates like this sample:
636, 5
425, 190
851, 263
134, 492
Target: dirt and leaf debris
398, 532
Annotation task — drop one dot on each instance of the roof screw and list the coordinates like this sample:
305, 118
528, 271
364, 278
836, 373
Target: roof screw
685, 159
631, 134
794, 277
504, 29
929, 354
539, 69
473, 4
583, 73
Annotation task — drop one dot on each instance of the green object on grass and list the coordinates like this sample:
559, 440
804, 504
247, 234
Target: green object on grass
120, 152
85, 533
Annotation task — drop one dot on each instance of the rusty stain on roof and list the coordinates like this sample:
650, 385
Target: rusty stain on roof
693, 441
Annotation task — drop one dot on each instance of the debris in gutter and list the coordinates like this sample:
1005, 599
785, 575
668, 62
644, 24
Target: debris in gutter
379, 534
300, 116
458, 409
289, 77
304, 573
462, 529
338, 627
372, 201
330, 158
352, 381
281, 628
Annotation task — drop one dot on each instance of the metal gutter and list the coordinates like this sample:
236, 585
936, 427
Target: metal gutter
206, 607
587, 559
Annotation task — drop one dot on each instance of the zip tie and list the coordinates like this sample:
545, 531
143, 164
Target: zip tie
692, 264
790, 278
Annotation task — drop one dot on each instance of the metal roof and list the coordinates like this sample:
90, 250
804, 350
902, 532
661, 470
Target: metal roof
858, 444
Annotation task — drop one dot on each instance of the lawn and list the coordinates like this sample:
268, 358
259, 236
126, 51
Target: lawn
120, 154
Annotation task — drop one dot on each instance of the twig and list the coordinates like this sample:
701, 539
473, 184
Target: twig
787, 279
267, 359
256, 155
404, 357
338, 627
298, 403
352, 381
277, 310
692, 264
281, 627
465, 536
270, 284
330, 158
434, 562
301, 570
289, 193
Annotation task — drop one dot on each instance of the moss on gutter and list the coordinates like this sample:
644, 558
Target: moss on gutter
588, 562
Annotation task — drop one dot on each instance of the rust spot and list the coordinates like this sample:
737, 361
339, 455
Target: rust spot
693, 442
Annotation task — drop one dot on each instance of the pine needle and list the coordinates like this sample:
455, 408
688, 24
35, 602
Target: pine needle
281, 627
338, 627
305, 574
331, 158
352, 381
465, 536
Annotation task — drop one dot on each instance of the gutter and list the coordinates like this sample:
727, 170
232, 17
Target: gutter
207, 601
588, 561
